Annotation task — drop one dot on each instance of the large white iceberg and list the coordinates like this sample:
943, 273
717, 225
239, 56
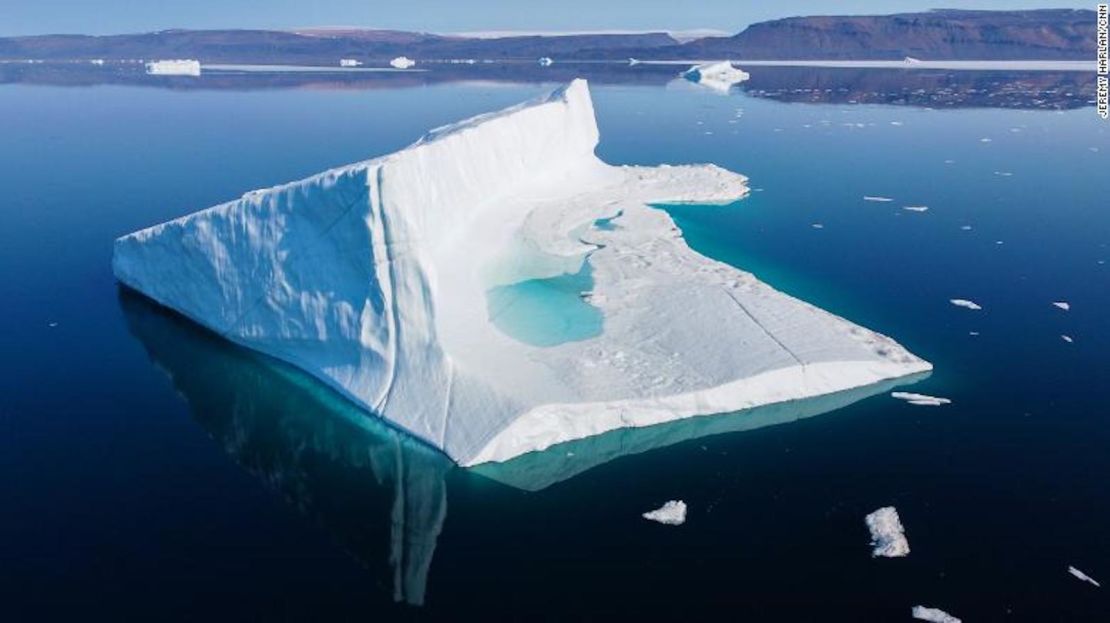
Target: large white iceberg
391, 281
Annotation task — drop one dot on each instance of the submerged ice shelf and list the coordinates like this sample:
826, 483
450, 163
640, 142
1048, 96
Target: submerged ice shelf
382, 279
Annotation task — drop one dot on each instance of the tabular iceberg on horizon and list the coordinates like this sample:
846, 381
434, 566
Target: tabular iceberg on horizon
376, 278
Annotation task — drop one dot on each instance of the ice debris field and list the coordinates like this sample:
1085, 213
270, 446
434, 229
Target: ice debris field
385, 278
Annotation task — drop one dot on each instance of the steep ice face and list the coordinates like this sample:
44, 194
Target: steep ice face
717, 76
377, 277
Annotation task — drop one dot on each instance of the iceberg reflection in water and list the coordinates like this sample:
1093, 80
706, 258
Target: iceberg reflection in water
382, 493
353, 474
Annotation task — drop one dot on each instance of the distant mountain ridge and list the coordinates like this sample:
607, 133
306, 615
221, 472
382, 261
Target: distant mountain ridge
948, 34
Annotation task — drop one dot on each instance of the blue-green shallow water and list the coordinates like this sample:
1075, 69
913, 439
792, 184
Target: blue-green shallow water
251, 496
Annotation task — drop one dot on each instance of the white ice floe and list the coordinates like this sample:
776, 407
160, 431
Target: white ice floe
545, 61
921, 400
349, 62
916, 208
984, 140
402, 62
717, 76
896, 123
1064, 305
1082, 576
1067, 338
965, 227
97, 61
888, 538
180, 67
877, 199
935, 615
1003, 174
673, 513
817, 226
388, 280
965, 303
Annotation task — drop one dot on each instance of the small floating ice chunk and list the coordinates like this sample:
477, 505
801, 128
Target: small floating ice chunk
896, 123
673, 513
984, 140
916, 208
817, 226
545, 61
1067, 338
52, 324
888, 538
719, 76
973, 333
176, 67
1003, 173
349, 62
1082, 576
877, 198
1064, 305
402, 62
965, 227
921, 400
936, 615
966, 304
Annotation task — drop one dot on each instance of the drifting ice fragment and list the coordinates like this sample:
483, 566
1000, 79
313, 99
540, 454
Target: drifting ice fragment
1067, 338
921, 400
186, 67
935, 615
965, 303
369, 279
1062, 305
349, 62
876, 198
888, 538
545, 61
916, 208
1082, 576
717, 76
673, 513
402, 62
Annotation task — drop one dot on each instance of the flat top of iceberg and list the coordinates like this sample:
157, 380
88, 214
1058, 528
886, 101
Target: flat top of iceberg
376, 277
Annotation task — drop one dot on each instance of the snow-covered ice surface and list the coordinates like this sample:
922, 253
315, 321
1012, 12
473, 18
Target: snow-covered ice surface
374, 277
936, 615
921, 400
1082, 576
673, 513
717, 76
402, 62
888, 538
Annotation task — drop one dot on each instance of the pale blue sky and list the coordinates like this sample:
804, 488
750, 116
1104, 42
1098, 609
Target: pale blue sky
21, 17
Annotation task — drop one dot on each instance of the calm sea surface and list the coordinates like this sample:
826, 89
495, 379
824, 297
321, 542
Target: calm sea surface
150, 471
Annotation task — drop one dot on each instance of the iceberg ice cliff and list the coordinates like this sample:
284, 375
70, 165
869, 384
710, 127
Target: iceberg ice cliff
376, 278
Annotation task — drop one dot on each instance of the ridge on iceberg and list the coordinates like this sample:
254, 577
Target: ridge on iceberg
378, 278
717, 76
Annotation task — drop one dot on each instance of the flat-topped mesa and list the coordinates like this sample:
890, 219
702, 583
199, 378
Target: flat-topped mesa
400, 281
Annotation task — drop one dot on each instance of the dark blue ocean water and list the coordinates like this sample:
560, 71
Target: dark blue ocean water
149, 471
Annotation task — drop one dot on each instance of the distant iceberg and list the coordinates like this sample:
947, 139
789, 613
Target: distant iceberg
377, 279
349, 62
545, 61
402, 62
186, 67
717, 76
